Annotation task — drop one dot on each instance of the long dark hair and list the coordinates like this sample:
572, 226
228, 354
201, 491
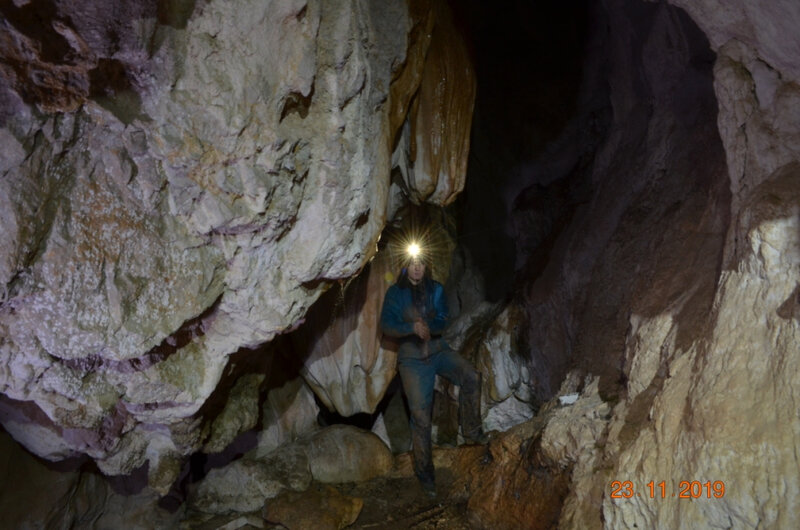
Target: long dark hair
421, 293
404, 283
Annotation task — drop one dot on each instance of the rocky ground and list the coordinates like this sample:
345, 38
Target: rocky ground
512, 482
392, 502
518, 480
400, 503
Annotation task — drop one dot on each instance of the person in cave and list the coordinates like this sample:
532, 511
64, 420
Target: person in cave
415, 313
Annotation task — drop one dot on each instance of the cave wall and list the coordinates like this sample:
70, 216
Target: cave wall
180, 182
673, 280
725, 405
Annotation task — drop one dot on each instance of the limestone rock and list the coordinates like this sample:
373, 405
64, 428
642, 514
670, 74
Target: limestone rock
440, 119
276, 462
506, 391
345, 361
685, 312
749, 329
750, 443
186, 183
241, 486
240, 414
487, 335
768, 30
340, 453
379, 429
288, 412
576, 429
343, 453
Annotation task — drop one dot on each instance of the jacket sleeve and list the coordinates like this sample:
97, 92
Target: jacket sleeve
438, 323
392, 322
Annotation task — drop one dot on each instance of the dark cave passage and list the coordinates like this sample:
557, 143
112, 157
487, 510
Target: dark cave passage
530, 60
572, 212
568, 186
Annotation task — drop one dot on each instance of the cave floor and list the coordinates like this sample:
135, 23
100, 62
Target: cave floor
388, 503
397, 503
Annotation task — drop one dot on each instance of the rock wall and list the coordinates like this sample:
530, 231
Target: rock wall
181, 181
676, 282
725, 402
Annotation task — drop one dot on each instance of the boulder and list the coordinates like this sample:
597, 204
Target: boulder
343, 453
336, 454
243, 485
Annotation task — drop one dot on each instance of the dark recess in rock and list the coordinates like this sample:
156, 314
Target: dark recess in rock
528, 58
35, 21
175, 13
111, 87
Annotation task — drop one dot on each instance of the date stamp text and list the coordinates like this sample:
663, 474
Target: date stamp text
687, 489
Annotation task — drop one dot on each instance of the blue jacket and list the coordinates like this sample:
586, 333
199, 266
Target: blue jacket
399, 313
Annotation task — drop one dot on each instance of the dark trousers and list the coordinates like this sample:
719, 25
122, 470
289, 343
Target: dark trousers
418, 376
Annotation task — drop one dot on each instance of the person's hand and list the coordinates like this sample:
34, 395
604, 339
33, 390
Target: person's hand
421, 330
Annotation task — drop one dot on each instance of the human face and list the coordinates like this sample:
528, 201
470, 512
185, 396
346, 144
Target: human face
416, 270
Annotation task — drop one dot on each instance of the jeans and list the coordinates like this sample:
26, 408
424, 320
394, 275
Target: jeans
418, 376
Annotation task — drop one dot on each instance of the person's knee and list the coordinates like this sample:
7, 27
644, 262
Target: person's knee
472, 380
421, 419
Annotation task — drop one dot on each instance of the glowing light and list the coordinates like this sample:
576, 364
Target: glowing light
428, 243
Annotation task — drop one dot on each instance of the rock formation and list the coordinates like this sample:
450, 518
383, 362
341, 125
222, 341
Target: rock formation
344, 361
33, 495
180, 182
339, 453
730, 420
676, 282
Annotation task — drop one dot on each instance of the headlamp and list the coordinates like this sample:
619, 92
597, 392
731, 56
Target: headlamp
413, 250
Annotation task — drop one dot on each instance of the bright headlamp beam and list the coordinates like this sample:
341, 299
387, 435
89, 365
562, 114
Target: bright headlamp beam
413, 250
